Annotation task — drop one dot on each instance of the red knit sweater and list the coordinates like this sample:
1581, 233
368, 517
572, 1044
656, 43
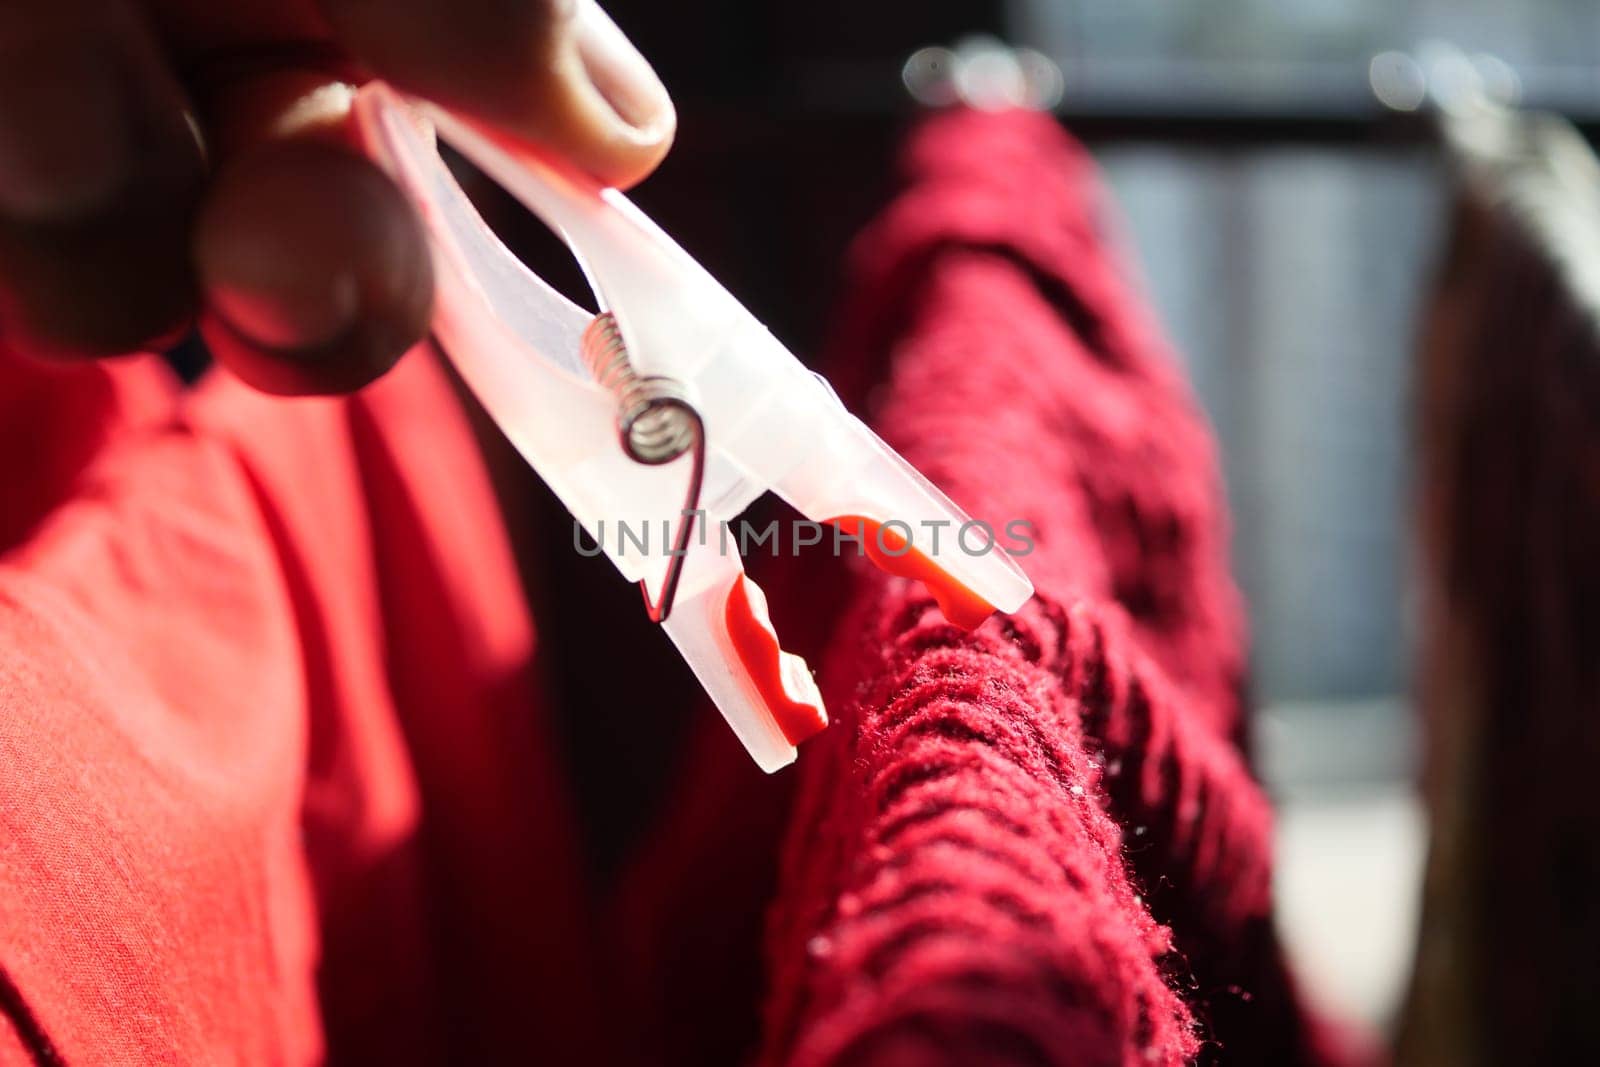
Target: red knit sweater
1038, 842
275, 780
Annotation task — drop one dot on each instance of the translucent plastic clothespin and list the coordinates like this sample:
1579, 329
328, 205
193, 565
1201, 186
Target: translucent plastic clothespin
673, 408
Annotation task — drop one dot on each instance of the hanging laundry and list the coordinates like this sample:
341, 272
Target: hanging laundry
1040, 842
1510, 683
279, 781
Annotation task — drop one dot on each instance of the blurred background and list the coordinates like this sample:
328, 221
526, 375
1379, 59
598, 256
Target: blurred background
1288, 223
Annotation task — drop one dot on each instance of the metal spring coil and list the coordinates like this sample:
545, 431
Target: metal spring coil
655, 420
656, 424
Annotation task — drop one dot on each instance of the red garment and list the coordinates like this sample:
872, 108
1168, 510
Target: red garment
272, 778
276, 781
1040, 842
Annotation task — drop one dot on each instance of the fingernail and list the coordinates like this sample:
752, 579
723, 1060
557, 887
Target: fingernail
621, 75
65, 142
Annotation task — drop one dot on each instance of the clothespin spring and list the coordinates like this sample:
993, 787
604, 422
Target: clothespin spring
656, 424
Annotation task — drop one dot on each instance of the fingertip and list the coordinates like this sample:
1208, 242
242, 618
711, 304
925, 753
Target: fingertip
560, 74
347, 363
314, 271
630, 121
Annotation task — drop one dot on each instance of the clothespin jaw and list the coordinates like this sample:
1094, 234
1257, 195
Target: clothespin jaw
675, 406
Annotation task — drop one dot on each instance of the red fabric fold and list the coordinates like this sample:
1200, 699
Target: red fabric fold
275, 783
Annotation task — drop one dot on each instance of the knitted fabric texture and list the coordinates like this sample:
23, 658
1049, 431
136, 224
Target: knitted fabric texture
1038, 842
280, 782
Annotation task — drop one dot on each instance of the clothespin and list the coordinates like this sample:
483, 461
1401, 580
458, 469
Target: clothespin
672, 407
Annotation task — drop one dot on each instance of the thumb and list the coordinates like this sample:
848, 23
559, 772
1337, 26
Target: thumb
557, 72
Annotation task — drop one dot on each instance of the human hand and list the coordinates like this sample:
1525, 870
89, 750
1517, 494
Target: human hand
163, 158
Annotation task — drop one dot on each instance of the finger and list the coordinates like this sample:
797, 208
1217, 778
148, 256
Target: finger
100, 167
314, 269
558, 72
